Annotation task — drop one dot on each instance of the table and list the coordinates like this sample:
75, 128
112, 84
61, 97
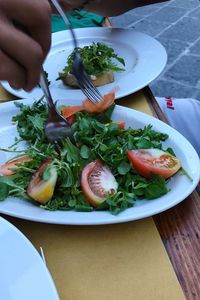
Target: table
179, 227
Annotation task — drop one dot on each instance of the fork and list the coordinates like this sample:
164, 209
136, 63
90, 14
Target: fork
83, 80
57, 127
42, 255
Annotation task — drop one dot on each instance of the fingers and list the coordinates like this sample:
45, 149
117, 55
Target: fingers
37, 20
12, 72
26, 49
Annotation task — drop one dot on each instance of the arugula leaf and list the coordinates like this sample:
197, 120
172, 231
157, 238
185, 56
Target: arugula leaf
97, 59
85, 152
124, 168
4, 191
14, 185
31, 121
170, 151
144, 143
156, 188
70, 152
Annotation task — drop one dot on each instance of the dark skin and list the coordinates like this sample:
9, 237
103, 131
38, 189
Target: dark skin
23, 52
25, 34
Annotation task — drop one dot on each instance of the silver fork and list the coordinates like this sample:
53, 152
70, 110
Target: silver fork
42, 255
84, 82
56, 127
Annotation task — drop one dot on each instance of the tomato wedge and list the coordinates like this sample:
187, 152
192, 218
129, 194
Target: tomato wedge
87, 105
148, 161
69, 111
97, 182
107, 101
42, 190
5, 169
71, 119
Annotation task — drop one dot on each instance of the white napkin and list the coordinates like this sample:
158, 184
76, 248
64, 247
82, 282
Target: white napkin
184, 116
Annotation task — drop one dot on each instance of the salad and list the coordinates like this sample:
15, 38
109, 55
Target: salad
108, 167
99, 60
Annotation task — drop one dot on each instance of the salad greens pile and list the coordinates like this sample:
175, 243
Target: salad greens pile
97, 137
97, 59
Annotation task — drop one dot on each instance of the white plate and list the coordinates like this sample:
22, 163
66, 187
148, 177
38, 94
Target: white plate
22, 272
180, 185
144, 56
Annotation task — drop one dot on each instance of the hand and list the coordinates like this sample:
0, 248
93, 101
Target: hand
22, 52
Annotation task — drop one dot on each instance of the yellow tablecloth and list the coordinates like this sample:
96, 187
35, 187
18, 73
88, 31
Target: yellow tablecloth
112, 262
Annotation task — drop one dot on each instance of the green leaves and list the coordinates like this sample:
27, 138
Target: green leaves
70, 152
4, 191
97, 59
13, 185
37, 122
46, 175
156, 188
85, 152
123, 168
30, 121
97, 137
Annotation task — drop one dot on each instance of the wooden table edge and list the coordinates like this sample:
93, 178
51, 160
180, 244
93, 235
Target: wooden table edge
179, 229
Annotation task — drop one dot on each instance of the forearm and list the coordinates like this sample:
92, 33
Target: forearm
116, 7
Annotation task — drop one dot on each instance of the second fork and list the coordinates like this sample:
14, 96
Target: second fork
83, 80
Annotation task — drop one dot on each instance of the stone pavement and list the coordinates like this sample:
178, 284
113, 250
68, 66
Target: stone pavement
176, 24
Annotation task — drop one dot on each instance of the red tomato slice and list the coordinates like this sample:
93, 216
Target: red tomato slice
5, 169
107, 101
69, 111
42, 190
148, 161
71, 119
97, 182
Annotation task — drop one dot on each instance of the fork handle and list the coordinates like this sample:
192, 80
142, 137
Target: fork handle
45, 88
66, 21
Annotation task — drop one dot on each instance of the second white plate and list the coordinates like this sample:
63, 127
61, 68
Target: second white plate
22, 272
144, 56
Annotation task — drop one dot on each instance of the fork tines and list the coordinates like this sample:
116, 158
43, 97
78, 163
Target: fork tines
90, 90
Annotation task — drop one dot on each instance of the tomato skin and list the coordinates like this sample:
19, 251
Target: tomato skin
89, 195
154, 161
69, 111
87, 173
71, 119
5, 168
39, 189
